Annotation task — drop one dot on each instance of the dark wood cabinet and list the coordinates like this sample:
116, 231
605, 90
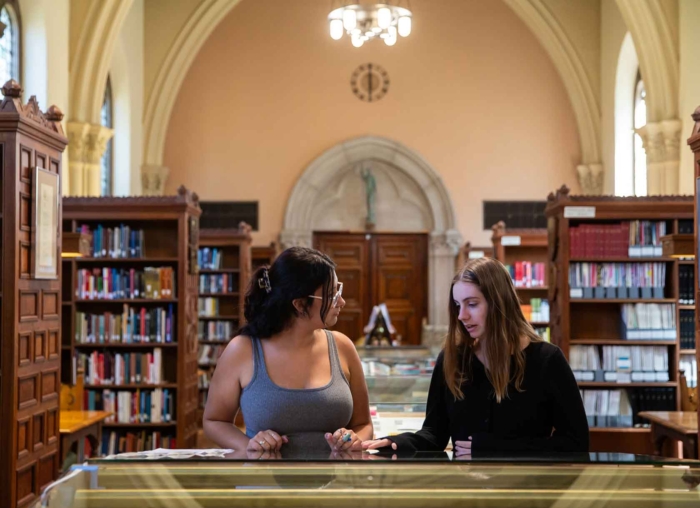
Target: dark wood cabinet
390, 268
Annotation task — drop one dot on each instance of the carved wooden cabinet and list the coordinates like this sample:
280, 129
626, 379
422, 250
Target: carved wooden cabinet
31, 319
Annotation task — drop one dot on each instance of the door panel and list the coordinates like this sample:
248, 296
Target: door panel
351, 255
380, 268
401, 275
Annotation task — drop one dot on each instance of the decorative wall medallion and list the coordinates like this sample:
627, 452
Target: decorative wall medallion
369, 82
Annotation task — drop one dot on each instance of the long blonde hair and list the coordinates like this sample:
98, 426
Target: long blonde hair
505, 325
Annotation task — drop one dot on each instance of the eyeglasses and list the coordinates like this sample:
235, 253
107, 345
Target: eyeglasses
337, 295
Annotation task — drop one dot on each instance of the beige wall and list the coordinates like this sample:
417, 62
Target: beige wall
472, 91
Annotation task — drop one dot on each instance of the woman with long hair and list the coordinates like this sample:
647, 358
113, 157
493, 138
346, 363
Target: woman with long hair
496, 386
299, 385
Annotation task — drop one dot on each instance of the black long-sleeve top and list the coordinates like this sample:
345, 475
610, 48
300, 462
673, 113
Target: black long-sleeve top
547, 416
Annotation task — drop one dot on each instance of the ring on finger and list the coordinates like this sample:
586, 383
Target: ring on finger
262, 443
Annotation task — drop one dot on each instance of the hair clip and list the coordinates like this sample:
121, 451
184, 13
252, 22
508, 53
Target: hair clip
264, 281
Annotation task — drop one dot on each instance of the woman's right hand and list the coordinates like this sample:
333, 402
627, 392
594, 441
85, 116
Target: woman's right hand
266, 441
378, 443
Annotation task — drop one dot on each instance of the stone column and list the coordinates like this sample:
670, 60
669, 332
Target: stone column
662, 146
87, 144
153, 179
444, 246
590, 177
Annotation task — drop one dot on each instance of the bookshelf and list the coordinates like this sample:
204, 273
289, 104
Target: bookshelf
524, 252
611, 287
129, 313
694, 143
469, 251
263, 255
29, 305
224, 260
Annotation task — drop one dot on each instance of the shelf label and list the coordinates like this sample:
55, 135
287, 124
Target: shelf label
476, 254
579, 212
510, 240
575, 292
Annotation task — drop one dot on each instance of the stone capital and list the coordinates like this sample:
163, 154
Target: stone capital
153, 178
86, 143
590, 177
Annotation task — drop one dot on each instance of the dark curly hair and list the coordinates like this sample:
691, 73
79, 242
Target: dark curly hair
296, 273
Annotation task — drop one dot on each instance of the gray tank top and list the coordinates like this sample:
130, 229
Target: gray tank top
304, 416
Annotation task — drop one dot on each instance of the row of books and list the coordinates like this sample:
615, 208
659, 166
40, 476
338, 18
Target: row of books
649, 321
107, 368
544, 332
126, 442
132, 326
620, 363
218, 283
621, 408
617, 275
626, 239
210, 258
686, 285
134, 406
689, 365
526, 274
119, 283
687, 328
204, 378
537, 310
208, 354
116, 242
215, 330
607, 408
208, 307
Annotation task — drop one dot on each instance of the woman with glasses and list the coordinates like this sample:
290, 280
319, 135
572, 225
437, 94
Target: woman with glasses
299, 386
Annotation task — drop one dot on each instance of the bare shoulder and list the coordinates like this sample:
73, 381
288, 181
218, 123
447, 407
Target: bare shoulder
345, 345
238, 350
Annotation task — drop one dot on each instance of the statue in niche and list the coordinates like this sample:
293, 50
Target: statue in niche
371, 191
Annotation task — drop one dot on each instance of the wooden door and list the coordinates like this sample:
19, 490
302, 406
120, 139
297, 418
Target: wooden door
400, 275
380, 268
351, 253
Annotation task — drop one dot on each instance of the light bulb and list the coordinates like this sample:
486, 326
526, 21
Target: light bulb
384, 17
390, 40
336, 29
349, 19
357, 42
391, 31
405, 26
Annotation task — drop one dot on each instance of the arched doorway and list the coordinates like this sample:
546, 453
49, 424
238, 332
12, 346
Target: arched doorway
410, 196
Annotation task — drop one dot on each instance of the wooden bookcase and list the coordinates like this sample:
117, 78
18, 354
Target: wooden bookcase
469, 251
29, 307
597, 320
694, 143
263, 255
511, 246
234, 268
170, 226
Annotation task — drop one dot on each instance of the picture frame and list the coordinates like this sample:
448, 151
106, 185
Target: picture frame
45, 224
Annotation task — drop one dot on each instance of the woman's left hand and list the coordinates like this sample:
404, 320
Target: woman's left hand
344, 439
463, 447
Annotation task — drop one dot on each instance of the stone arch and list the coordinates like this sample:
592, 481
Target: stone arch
309, 192
542, 23
93, 55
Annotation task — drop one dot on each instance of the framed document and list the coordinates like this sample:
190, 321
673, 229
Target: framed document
45, 225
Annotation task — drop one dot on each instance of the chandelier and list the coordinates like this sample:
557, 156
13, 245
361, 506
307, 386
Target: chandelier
364, 22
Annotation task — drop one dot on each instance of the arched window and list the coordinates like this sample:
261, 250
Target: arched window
9, 42
640, 156
107, 158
